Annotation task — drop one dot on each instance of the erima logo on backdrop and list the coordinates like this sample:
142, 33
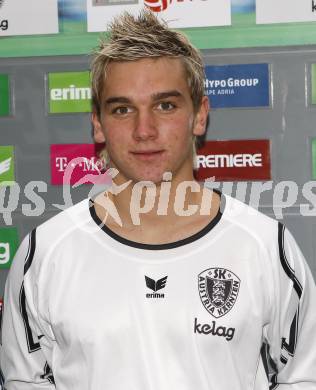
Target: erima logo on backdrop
155, 285
69, 92
313, 6
218, 288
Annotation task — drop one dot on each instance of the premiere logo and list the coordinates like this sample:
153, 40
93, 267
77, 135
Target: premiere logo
234, 160
69, 92
229, 160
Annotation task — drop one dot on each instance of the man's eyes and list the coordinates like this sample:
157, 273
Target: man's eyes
161, 106
122, 110
166, 106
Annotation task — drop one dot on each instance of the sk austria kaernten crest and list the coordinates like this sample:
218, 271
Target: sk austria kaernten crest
218, 288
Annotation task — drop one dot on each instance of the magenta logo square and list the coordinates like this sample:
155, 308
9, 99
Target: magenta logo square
76, 164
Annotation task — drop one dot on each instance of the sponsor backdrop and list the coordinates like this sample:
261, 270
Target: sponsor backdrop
229, 24
234, 160
69, 92
85, 164
262, 125
261, 133
8, 246
4, 95
180, 13
6, 164
244, 85
284, 11
28, 17
314, 158
313, 83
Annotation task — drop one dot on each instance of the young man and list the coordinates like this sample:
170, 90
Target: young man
165, 289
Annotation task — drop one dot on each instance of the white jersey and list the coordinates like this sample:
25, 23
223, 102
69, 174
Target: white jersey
88, 310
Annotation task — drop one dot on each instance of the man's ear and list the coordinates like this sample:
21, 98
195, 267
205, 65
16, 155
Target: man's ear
200, 121
98, 134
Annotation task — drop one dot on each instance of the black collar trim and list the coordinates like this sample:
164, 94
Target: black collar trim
169, 245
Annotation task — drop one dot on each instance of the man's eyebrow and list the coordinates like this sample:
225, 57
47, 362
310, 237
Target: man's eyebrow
155, 97
166, 94
117, 99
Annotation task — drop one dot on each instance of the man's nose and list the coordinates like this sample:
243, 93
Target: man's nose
145, 126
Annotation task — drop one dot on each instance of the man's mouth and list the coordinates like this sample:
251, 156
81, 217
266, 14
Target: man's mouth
147, 154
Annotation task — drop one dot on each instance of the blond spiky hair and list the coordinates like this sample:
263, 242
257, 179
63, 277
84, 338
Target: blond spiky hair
132, 38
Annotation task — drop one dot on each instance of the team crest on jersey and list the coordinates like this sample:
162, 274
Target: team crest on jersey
218, 288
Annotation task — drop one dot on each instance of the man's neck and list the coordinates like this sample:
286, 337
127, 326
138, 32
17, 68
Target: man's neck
159, 213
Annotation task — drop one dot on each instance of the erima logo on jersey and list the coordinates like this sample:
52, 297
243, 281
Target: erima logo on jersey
214, 330
5, 165
155, 285
218, 288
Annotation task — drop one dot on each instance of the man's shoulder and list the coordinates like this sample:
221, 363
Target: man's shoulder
249, 219
64, 223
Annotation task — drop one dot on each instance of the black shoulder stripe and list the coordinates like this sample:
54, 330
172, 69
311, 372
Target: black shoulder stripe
31, 344
31, 251
283, 359
265, 358
269, 365
1, 378
274, 383
290, 345
285, 265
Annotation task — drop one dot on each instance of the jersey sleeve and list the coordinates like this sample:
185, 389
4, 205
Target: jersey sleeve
291, 334
23, 364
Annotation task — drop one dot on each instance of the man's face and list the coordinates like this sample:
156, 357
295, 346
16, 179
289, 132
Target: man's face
147, 119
